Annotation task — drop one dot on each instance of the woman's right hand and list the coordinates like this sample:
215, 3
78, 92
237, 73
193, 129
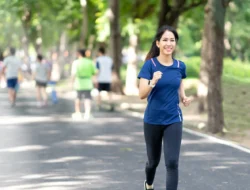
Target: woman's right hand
156, 76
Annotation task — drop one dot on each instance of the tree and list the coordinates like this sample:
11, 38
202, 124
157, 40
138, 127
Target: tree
115, 42
84, 28
212, 61
171, 11
237, 39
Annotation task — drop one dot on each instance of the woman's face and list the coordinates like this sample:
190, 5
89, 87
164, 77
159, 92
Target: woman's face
167, 43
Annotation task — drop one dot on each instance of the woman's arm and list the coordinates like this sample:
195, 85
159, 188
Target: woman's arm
144, 88
184, 99
182, 90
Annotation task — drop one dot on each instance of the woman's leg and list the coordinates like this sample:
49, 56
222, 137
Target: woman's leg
153, 138
172, 143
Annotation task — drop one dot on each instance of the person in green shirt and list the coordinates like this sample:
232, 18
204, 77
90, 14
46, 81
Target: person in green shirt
83, 70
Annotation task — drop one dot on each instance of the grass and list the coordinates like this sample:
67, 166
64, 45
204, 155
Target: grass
236, 103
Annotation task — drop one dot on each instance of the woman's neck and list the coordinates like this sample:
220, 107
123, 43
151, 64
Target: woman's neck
165, 60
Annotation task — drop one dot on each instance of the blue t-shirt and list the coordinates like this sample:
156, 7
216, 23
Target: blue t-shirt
163, 101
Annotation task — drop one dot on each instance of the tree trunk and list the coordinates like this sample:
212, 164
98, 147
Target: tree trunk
26, 22
84, 29
131, 76
61, 58
39, 39
164, 12
203, 76
203, 82
214, 48
170, 13
115, 43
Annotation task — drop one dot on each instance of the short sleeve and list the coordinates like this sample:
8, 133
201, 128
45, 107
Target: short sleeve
112, 64
5, 62
183, 70
146, 71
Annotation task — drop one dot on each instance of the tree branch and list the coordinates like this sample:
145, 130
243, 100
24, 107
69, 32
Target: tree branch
192, 5
146, 12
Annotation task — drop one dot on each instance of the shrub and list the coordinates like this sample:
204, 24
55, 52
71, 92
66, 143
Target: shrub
232, 68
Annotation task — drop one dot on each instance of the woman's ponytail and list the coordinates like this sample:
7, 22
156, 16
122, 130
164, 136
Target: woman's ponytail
153, 52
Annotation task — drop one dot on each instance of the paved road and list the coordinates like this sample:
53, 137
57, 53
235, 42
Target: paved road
43, 149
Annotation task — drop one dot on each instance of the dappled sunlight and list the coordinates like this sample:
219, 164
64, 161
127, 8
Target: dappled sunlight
235, 163
138, 133
50, 132
100, 171
24, 148
62, 185
109, 120
126, 105
115, 137
189, 153
58, 178
88, 142
90, 177
219, 167
34, 176
64, 159
56, 181
8, 120
199, 141
99, 120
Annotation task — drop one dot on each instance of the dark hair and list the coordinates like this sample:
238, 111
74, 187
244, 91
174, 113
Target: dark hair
12, 51
154, 50
102, 50
39, 57
82, 52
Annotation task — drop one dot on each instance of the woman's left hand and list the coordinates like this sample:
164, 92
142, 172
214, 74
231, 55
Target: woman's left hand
186, 101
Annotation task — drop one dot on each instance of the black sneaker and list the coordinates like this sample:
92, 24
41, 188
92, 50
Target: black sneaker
145, 187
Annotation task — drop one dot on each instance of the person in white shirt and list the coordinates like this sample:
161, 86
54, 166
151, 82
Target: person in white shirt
11, 69
41, 76
104, 65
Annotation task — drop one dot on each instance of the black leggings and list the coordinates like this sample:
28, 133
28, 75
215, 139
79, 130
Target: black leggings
171, 136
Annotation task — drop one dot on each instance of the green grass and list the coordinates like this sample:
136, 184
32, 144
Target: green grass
236, 103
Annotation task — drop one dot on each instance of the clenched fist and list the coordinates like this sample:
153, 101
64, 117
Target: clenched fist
156, 76
186, 101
